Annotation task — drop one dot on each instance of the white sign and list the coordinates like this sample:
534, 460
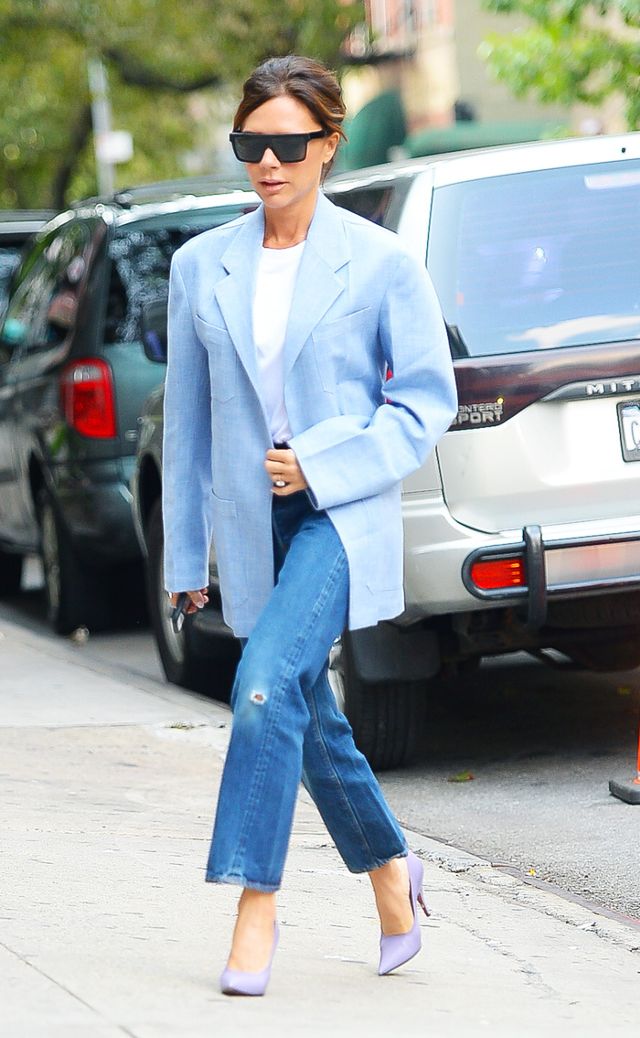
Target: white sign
114, 146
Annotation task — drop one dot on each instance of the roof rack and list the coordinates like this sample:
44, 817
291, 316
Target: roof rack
166, 190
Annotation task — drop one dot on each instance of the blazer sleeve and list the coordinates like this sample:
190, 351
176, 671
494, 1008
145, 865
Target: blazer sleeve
186, 450
353, 456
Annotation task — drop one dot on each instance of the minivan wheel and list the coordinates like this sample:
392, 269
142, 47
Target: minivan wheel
387, 717
183, 659
10, 573
72, 589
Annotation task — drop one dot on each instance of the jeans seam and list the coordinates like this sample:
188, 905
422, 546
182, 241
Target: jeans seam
339, 782
287, 670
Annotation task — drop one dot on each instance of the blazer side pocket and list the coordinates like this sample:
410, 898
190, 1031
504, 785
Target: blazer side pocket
223, 358
230, 561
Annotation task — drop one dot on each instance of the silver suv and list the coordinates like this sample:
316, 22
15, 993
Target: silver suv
523, 527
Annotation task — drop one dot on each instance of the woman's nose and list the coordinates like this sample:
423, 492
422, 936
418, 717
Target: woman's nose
269, 158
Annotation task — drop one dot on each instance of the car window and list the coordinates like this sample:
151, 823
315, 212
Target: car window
44, 300
539, 260
9, 259
141, 256
380, 203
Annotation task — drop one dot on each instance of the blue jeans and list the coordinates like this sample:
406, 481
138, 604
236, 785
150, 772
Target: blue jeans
286, 725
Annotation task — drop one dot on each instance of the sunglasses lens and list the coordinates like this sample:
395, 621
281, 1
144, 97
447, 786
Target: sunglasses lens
287, 147
248, 149
291, 148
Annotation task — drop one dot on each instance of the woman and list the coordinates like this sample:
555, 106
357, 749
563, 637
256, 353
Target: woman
308, 373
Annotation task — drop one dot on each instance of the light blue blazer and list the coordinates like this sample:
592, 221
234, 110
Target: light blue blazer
362, 306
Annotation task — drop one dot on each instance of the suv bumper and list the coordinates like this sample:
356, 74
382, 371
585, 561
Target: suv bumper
560, 561
567, 567
96, 510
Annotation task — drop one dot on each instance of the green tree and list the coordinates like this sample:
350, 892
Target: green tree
573, 51
159, 55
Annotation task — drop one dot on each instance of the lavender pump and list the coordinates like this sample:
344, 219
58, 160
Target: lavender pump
396, 949
237, 982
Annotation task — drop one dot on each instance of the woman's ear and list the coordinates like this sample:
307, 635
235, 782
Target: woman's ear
330, 145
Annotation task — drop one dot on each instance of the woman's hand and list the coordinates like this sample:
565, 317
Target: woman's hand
282, 466
199, 599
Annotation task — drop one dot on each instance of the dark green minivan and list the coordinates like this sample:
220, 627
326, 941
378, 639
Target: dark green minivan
74, 375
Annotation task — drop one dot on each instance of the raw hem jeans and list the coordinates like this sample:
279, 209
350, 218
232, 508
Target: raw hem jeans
286, 725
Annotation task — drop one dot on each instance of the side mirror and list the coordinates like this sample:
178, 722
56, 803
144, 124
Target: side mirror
153, 322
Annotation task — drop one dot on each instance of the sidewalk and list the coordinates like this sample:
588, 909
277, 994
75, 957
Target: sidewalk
108, 929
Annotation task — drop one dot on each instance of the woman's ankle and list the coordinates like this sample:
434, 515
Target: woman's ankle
390, 874
257, 901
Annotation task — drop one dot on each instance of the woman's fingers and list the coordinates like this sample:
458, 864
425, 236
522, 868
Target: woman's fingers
284, 472
197, 599
288, 488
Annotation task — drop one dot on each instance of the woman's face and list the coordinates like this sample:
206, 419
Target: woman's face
282, 184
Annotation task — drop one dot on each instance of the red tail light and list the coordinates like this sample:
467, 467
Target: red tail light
88, 404
498, 573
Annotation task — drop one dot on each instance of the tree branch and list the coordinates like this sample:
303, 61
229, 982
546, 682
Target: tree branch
56, 23
80, 134
130, 69
134, 74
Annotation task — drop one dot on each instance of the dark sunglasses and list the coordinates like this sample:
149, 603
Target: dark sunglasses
287, 147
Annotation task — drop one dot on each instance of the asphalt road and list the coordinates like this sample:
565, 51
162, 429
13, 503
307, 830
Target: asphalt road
541, 744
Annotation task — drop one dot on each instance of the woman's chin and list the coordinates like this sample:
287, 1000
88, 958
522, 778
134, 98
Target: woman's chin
274, 199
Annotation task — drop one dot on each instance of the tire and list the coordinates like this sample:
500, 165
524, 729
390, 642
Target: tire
76, 594
613, 654
189, 659
10, 574
387, 718
128, 596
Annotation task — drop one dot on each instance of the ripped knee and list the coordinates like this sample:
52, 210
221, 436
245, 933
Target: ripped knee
258, 698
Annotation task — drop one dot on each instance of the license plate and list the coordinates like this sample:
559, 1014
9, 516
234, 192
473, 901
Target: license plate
629, 422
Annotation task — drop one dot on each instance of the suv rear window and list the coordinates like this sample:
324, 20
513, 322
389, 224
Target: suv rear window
9, 259
539, 260
380, 203
141, 256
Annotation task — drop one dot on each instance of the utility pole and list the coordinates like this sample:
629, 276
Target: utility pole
101, 115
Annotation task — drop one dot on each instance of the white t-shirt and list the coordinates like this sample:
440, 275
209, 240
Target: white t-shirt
275, 282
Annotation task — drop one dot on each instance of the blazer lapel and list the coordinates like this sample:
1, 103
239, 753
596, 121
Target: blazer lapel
317, 284
235, 292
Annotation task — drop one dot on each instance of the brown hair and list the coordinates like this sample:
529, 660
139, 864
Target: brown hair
305, 79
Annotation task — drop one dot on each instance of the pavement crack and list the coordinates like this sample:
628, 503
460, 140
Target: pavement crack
67, 990
531, 973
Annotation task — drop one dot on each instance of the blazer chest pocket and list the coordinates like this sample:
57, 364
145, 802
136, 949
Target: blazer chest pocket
223, 358
334, 342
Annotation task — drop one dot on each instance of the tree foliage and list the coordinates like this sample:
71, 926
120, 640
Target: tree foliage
159, 54
573, 51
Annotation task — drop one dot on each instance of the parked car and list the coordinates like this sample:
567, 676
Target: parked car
73, 378
523, 527
16, 228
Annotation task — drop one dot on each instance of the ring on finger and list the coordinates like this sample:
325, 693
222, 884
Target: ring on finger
279, 483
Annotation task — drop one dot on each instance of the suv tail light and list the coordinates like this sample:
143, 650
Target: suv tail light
491, 574
87, 398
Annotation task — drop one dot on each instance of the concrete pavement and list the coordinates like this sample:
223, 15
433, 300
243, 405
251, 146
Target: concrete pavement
107, 928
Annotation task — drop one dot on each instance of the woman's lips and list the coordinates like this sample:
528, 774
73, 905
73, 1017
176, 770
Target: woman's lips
271, 184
